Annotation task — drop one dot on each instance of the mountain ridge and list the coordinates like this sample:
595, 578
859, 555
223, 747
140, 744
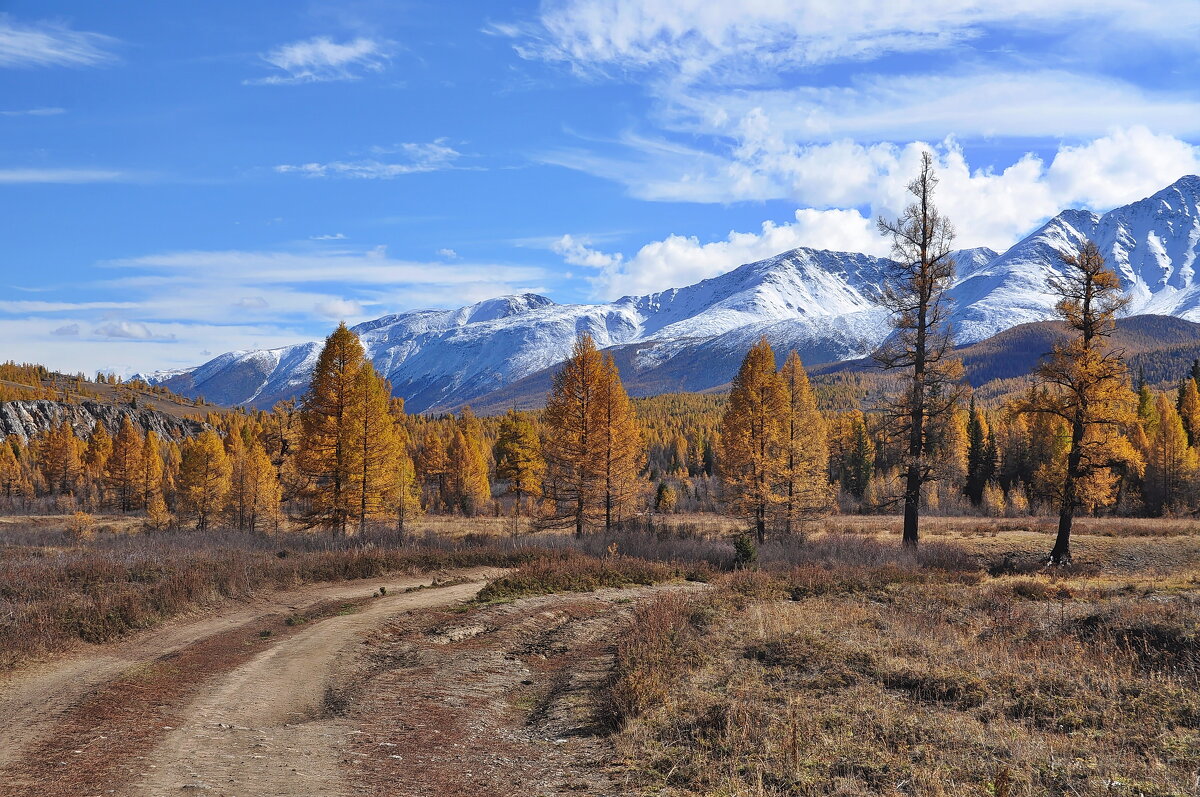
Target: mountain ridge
820, 302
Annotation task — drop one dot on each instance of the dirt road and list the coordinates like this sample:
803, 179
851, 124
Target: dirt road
93, 723
331, 691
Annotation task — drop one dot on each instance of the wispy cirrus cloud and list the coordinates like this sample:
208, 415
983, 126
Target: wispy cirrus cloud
321, 59
414, 158
174, 308
34, 112
746, 42
44, 44
40, 175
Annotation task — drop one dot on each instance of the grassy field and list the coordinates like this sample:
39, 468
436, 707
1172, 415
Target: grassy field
835, 663
850, 677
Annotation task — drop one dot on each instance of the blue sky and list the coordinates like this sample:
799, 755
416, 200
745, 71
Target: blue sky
182, 179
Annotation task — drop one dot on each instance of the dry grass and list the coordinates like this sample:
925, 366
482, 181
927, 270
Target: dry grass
568, 570
56, 591
886, 680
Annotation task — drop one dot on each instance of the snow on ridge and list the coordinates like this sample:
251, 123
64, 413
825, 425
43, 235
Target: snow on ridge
806, 297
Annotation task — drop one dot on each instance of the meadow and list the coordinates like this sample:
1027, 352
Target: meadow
832, 662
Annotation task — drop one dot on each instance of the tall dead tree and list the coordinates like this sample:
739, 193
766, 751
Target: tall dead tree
914, 289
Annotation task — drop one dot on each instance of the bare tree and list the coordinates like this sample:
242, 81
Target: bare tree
914, 290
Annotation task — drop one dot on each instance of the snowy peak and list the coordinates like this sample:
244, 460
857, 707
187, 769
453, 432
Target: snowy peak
819, 302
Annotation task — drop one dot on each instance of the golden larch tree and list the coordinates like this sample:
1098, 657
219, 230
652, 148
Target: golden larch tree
255, 494
1189, 410
433, 468
519, 462
806, 488
621, 445
11, 476
153, 470
1083, 382
752, 455
204, 478
373, 447
123, 470
468, 471
326, 452
573, 440
59, 456
1170, 461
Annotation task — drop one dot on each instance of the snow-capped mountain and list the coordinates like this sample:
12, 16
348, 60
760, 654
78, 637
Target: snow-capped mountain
817, 302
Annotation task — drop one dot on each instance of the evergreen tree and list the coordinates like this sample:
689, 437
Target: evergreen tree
859, 461
1146, 414
915, 285
204, 477
752, 456
981, 455
1087, 386
806, 488
326, 450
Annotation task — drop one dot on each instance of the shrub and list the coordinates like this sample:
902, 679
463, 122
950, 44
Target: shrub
81, 526
570, 571
660, 645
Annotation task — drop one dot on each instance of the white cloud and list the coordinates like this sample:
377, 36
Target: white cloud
34, 112
371, 267
337, 236
738, 43
132, 330
252, 303
681, 260
448, 254
579, 253
67, 330
1118, 168
61, 176
338, 309
321, 59
979, 102
25, 306
988, 207
51, 44
419, 157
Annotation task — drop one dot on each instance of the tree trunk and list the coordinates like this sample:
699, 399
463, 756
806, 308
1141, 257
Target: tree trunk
579, 516
912, 506
1061, 553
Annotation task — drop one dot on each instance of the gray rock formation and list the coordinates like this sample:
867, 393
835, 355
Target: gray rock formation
27, 418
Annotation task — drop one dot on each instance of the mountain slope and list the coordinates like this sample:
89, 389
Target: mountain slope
691, 338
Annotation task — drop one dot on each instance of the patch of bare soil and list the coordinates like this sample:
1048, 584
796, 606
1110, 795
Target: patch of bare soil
502, 700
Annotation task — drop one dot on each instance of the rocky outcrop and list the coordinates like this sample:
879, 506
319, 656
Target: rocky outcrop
27, 418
